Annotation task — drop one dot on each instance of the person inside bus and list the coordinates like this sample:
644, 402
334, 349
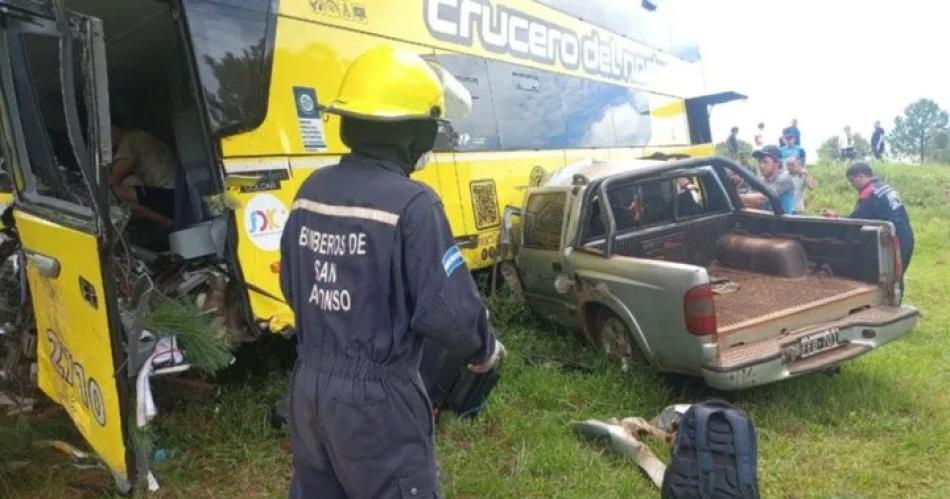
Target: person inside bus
142, 175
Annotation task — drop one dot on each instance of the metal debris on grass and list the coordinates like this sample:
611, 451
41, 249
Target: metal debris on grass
626, 437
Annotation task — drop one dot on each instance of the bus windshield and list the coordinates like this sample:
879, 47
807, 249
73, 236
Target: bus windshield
232, 41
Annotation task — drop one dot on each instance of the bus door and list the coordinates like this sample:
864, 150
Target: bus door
56, 136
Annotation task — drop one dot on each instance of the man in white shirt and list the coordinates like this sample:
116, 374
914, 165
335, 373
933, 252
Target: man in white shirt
142, 175
758, 142
802, 180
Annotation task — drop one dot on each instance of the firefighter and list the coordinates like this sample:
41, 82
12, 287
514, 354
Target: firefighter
880, 201
370, 268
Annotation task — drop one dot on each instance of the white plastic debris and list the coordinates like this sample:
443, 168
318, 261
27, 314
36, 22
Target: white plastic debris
166, 358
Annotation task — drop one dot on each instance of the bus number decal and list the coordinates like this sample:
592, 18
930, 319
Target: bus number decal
74, 374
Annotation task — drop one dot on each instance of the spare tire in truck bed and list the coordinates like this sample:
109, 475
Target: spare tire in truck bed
778, 257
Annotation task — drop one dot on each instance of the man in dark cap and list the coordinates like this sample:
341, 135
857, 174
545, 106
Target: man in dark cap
775, 178
879, 201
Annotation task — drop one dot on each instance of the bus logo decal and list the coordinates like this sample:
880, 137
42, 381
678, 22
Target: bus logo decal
264, 219
340, 9
501, 29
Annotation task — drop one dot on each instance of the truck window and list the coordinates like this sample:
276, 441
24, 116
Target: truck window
643, 204
593, 222
543, 220
699, 195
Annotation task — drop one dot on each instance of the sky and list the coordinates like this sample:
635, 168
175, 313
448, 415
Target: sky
828, 63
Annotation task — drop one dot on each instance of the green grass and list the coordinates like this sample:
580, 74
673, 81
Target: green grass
880, 429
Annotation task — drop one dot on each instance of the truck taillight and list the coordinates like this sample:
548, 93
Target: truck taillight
699, 310
898, 266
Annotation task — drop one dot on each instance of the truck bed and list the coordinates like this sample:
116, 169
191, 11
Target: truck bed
761, 297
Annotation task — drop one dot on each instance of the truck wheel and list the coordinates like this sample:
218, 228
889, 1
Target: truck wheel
617, 343
510, 279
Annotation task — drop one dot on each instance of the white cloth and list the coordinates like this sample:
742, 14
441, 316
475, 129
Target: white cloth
152, 482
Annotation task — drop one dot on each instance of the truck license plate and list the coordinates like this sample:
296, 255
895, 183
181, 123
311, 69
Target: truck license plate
819, 342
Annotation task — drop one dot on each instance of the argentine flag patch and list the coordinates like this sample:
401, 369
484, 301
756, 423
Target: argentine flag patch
452, 259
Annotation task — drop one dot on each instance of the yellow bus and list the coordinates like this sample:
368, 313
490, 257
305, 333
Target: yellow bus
233, 88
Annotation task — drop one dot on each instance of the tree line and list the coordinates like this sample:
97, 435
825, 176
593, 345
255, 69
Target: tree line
921, 134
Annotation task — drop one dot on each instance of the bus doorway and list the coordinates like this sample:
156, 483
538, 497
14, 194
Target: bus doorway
157, 129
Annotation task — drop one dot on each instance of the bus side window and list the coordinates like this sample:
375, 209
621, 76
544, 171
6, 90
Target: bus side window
478, 131
589, 107
528, 107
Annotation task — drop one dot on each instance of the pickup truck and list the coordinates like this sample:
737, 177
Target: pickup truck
658, 263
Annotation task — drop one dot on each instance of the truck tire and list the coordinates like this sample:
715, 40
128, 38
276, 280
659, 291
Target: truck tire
617, 343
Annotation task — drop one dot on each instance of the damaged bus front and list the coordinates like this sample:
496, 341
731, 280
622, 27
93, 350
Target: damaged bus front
99, 280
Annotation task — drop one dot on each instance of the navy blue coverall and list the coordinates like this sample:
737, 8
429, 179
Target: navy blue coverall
879, 201
370, 267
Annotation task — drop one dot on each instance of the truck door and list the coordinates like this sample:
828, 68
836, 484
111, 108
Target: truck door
540, 258
55, 134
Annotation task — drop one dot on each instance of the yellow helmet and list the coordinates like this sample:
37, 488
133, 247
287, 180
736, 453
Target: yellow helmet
389, 84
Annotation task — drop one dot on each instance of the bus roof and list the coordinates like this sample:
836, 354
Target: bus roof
596, 169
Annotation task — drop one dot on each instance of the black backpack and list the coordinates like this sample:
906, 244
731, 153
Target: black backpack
714, 455
451, 385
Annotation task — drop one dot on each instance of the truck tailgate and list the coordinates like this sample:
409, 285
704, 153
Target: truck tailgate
762, 298
808, 349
